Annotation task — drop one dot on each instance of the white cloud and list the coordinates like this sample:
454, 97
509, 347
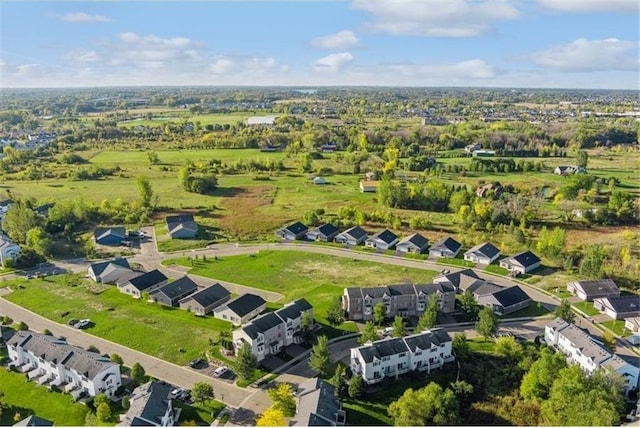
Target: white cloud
621, 6
82, 56
332, 63
81, 17
584, 55
345, 39
436, 18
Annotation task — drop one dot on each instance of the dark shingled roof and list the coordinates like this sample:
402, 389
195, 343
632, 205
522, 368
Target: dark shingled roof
102, 232
294, 310
210, 295
386, 236
184, 218
447, 243
383, 348
461, 277
433, 288
598, 286
354, 292
296, 228
424, 340
327, 229
34, 421
245, 304
317, 404
147, 280
99, 267
487, 249
355, 232
624, 304
416, 239
401, 289
262, 324
148, 404
511, 296
484, 289
177, 288
375, 292
526, 258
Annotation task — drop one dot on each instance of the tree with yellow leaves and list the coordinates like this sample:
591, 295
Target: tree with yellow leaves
271, 418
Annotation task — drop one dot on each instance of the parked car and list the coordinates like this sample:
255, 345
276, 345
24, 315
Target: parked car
220, 371
82, 323
72, 322
195, 363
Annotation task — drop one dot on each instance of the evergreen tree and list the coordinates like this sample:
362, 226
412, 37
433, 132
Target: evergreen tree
320, 357
369, 333
246, 362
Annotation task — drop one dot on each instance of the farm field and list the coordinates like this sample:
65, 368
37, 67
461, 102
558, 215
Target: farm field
28, 398
317, 277
150, 328
182, 116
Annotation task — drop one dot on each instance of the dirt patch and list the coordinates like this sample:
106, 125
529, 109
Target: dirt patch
242, 216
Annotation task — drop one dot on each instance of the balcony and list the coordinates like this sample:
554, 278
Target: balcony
37, 372
45, 378
26, 367
70, 387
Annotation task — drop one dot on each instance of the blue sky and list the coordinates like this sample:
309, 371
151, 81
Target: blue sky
485, 43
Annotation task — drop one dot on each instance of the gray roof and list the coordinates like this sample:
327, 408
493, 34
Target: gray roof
355, 232
383, 348
59, 351
486, 249
401, 290
447, 243
327, 229
375, 292
426, 339
443, 287
599, 286
178, 288
317, 404
262, 324
245, 304
354, 292
294, 310
461, 279
34, 421
210, 295
386, 236
147, 280
184, 218
484, 289
148, 403
511, 296
623, 304
296, 228
102, 232
98, 268
416, 239
524, 259
581, 340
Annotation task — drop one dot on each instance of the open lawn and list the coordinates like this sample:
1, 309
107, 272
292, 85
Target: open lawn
200, 414
28, 398
150, 328
617, 326
587, 308
317, 277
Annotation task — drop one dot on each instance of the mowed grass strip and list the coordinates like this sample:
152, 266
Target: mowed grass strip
171, 334
28, 398
317, 277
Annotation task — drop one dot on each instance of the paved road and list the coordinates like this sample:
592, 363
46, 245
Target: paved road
172, 373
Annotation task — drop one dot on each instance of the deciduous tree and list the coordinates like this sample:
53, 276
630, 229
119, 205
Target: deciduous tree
138, 373
369, 333
246, 362
355, 386
430, 405
335, 313
379, 313
398, 329
487, 324
320, 357
271, 418
429, 318
283, 399
202, 392
563, 311
537, 382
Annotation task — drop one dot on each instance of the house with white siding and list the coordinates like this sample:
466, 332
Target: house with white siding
446, 247
391, 357
484, 253
242, 309
415, 243
384, 240
109, 271
48, 360
618, 308
589, 290
151, 405
580, 348
521, 263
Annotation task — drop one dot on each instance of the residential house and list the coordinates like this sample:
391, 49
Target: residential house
580, 348
326, 233
34, 421
9, 250
472, 147
151, 405
415, 243
462, 281
391, 357
619, 307
490, 189
521, 263
242, 309
144, 283
569, 170
110, 235
317, 405
181, 226
445, 247
589, 290
269, 333
506, 300
206, 300
352, 236
369, 185
48, 360
109, 271
292, 232
384, 240
632, 324
406, 300
170, 294
484, 253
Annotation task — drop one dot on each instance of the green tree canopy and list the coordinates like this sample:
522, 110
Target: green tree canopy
398, 329
487, 324
369, 333
379, 313
283, 399
429, 317
202, 392
320, 357
563, 311
246, 362
537, 382
335, 313
430, 405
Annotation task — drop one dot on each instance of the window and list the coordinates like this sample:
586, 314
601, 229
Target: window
385, 358
376, 363
289, 333
419, 364
418, 353
400, 365
377, 375
260, 348
402, 355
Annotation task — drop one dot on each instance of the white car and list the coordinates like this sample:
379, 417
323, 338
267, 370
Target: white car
220, 371
82, 323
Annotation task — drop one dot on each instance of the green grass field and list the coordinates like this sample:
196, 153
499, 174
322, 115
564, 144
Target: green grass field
150, 328
200, 414
28, 398
587, 308
617, 326
317, 277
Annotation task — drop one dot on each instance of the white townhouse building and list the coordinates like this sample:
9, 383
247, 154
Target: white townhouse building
150, 405
391, 357
51, 361
269, 333
580, 348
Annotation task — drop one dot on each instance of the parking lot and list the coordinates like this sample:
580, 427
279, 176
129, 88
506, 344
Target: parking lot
208, 370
